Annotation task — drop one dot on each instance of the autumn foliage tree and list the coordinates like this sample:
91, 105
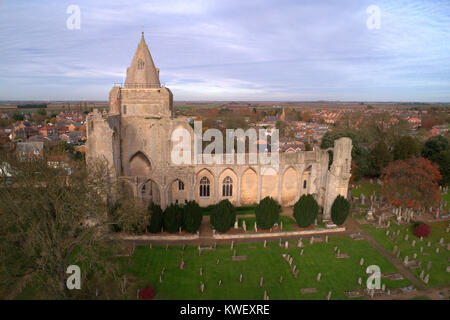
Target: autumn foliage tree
411, 183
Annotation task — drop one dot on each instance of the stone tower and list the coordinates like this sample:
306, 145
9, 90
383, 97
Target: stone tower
339, 174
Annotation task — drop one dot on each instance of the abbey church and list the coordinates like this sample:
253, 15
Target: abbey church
134, 136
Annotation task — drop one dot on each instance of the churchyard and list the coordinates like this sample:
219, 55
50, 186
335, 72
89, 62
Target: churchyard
427, 258
322, 268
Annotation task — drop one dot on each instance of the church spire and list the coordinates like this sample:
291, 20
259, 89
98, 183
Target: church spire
142, 72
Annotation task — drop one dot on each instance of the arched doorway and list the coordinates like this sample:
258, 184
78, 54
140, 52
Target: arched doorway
149, 192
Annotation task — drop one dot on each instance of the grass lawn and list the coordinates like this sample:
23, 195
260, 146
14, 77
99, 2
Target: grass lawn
338, 275
438, 274
446, 199
367, 189
288, 223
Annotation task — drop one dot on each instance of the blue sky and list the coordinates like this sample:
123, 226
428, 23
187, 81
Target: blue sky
229, 50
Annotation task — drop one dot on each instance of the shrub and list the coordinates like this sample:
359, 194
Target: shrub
422, 230
130, 217
223, 216
305, 210
146, 293
267, 213
192, 217
340, 210
156, 220
173, 218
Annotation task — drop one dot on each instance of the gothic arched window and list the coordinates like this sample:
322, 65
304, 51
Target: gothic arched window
227, 187
204, 187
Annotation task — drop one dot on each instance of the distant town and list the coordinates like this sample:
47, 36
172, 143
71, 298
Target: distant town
40, 127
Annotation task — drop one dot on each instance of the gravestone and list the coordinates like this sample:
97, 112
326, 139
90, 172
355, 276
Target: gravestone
255, 227
265, 243
422, 273
240, 278
281, 279
220, 283
232, 245
427, 278
301, 252
261, 281
359, 281
326, 239
361, 262
217, 262
413, 243
236, 224
329, 295
201, 271
311, 241
244, 226
286, 245
429, 265
319, 275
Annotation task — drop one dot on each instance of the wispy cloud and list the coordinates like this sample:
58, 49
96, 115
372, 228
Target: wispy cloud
230, 50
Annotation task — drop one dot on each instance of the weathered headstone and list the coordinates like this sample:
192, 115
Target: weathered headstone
319, 275
286, 245
361, 261
240, 278
329, 295
311, 241
265, 243
261, 282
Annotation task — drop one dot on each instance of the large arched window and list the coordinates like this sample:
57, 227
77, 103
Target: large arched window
204, 187
227, 187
